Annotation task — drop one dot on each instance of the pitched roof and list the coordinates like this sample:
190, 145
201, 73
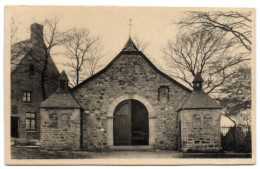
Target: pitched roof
130, 46
130, 49
18, 53
199, 100
131, 53
20, 50
60, 99
63, 76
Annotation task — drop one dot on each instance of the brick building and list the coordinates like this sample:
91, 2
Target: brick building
130, 103
26, 94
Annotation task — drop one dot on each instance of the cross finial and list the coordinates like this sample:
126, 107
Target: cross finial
130, 27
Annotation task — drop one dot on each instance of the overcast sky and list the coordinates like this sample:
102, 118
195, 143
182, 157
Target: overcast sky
152, 25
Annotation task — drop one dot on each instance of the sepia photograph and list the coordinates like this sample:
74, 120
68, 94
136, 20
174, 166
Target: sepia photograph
118, 85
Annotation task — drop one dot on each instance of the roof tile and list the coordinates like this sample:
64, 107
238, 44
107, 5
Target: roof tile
60, 99
199, 100
130, 46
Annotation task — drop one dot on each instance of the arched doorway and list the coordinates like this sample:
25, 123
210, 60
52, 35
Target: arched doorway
131, 124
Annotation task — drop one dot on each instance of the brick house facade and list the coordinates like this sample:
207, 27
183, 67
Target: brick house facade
26, 94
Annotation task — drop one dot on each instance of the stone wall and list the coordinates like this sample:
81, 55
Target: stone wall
129, 75
21, 81
200, 130
60, 129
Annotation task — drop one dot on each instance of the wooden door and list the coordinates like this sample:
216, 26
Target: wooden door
14, 126
140, 123
122, 124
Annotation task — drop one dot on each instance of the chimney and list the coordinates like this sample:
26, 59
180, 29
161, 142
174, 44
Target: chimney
36, 32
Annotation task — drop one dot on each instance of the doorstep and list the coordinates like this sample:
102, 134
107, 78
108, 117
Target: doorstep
131, 148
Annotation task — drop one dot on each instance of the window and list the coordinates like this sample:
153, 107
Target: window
30, 121
14, 109
53, 120
163, 93
65, 121
27, 95
31, 70
207, 121
196, 121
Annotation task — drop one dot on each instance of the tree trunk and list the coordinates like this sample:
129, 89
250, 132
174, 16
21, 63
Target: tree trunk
42, 85
77, 80
43, 76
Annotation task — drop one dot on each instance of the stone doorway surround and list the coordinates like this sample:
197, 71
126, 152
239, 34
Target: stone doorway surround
110, 117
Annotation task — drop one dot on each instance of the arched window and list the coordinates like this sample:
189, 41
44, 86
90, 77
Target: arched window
65, 121
196, 121
207, 121
53, 120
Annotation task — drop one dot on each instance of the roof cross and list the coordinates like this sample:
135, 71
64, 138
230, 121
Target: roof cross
130, 27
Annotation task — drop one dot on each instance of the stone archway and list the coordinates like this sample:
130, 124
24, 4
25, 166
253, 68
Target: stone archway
130, 123
110, 117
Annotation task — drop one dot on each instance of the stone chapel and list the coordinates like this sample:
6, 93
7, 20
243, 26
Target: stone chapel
130, 104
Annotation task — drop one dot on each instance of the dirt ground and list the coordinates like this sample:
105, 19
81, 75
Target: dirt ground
19, 152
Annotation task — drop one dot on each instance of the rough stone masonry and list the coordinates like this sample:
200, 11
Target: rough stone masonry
130, 74
101, 101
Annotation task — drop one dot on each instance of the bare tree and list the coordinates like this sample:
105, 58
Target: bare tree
93, 63
84, 53
237, 25
236, 94
14, 29
39, 48
234, 86
206, 52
